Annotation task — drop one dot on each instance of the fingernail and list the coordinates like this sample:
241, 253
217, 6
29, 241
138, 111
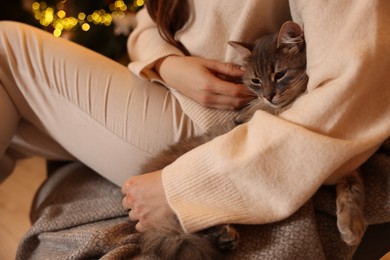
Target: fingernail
242, 68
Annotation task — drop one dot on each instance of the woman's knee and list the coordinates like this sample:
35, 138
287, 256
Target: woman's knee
6, 26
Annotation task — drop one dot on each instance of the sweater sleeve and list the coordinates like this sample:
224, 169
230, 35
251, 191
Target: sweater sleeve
145, 46
263, 171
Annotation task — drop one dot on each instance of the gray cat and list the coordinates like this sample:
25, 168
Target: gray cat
276, 73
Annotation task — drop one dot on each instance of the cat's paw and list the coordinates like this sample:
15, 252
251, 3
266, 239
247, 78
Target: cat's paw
350, 208
351, 229
225, 237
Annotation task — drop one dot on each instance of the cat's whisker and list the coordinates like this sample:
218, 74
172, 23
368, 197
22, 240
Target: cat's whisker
250, 94
303, 76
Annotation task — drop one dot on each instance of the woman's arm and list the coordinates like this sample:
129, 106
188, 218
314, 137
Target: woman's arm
195, 77
145, 46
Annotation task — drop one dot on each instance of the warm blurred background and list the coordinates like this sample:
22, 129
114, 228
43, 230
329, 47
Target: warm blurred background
101, 25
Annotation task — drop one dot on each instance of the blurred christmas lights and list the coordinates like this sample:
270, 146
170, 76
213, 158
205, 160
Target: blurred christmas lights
58, 19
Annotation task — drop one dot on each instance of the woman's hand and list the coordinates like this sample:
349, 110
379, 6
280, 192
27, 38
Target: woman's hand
209, 82
145, 197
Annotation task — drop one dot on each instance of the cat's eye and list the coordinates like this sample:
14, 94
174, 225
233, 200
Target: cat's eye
279, 75
256, 81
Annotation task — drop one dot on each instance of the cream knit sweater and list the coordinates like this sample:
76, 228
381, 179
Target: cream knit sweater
263, 171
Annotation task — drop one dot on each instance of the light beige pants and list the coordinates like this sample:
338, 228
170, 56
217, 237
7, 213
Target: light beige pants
62, 101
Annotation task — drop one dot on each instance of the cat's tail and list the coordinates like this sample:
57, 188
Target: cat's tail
168, 241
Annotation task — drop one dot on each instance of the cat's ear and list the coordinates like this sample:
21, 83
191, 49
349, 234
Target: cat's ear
291, 34
243, 50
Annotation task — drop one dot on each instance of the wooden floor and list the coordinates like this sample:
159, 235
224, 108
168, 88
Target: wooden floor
16, 195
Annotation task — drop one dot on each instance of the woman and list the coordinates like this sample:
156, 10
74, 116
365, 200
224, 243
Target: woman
64, 102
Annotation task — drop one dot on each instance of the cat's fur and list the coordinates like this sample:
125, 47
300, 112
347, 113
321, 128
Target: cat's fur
276, 73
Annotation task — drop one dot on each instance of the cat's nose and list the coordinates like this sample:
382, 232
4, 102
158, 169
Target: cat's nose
269, 97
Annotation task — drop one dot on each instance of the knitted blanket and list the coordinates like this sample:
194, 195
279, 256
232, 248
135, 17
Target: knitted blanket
78, 215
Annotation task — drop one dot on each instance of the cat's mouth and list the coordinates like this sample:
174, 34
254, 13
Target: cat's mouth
276, 103
271, 102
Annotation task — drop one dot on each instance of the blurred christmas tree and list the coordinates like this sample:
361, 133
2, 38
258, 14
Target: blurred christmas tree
101, 25
16, 11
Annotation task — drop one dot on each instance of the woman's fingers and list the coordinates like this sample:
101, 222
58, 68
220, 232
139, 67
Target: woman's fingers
227, 79
225, 102
220, 93
211, 83
224, 96
233, 90
139, 227
145, 197
225, 68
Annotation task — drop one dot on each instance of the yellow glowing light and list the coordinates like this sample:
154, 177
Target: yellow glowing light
59, 26
49, 11
35, 6
139, 3
119, 4
85, 27
95, 16
73, 21
61, 14
58, 20
81, 16
57, 33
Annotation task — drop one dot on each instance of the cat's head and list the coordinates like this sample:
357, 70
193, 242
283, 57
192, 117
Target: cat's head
276, 65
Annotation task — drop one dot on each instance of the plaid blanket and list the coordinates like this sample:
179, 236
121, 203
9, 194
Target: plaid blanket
77, 214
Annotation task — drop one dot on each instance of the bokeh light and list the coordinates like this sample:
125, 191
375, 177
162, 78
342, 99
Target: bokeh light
58, 19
